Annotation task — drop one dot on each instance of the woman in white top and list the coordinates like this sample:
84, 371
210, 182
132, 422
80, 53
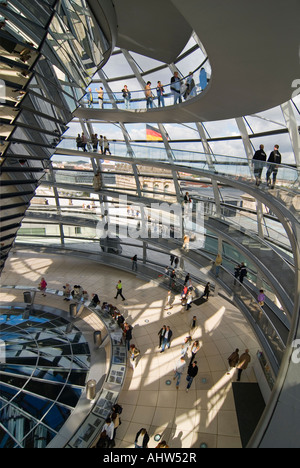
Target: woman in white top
185, 346
109, 428
141, 439
194, 350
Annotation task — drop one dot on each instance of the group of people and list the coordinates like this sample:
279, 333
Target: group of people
259, 160
96, 142
240, 270
90, 97
240, 273
126, 328
77, 293
185, 364
142, 438
180, 88
187, 89
187, 292
241, 363
165, 336
109, 430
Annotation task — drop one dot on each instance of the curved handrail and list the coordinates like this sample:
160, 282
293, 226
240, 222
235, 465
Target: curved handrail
230, 166
138, 99
117, 220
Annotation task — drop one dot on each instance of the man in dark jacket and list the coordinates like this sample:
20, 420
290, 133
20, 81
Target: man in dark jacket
258, 163
274, 160
243, 272
141, 439
161, 334
206, 291
166, 341
192, 372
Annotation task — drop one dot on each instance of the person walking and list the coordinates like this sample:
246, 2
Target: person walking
119, 288
233, 360
243, 273
178, 370
108, 430
258, 160
134, 353
172, 279
95, 142
106, 146
189, 299
134, 263
187, 278
43, 286
115, 417
101, 144
170, 300
185, 345
193, 325
274, 160
191, 374
141, 439
166, 341
84, 142
161, 335
237, 271
194, 350
243, 363
206, 291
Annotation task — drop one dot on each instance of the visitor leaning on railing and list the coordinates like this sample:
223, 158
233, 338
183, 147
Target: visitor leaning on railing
158, 96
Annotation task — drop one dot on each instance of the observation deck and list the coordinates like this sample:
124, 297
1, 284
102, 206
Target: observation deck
254, 60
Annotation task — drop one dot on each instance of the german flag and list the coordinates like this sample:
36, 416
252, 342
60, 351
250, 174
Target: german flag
153, 134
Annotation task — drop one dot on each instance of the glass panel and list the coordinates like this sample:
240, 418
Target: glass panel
42, 364
34, 10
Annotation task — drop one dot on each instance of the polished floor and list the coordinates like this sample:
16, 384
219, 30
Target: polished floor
206, 414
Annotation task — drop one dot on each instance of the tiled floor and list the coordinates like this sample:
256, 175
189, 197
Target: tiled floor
185, 420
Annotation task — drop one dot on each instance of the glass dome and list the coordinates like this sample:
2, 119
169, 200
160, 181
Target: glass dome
42, 377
